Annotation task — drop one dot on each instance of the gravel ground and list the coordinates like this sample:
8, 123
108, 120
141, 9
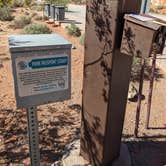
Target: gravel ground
59, 123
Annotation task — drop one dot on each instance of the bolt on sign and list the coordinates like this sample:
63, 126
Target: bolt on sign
41, 69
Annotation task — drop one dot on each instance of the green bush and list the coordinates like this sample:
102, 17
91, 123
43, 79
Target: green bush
79, 2
38, 18
34, 14
37, 7
63, 2
82, 39
36, 29
17, 3
136, 68
6, 14
73, 30
28, 3
160, 7
21, 21
5, 3
45, 18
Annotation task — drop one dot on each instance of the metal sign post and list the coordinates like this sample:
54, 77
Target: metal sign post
41, 67
33, 136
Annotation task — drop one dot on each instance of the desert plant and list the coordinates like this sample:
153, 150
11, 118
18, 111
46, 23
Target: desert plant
37, 7
136, 68
6, 14
17, 3
21, 21
34, 14
45, 18
63, 2
5, 3
78, 1
38, 18
160, 7
73, 30
36, 29
82, 39
28, 3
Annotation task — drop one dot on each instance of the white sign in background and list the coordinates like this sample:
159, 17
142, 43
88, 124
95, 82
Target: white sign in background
42, 74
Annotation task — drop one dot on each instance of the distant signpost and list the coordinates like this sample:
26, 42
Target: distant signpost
42, 72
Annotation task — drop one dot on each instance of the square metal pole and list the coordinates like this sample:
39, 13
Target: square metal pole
33, 136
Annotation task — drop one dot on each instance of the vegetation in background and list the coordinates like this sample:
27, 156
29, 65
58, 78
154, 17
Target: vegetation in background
21, 21
79, 2
63, 2
37, 7
82, 39
6, 14
73, 30
36, 29
158, 9
17, 3
136, 68
28, 3
5, 3
38, 18
45, 18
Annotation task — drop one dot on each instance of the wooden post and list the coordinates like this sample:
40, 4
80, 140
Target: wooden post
139, 97
106, 80
151, 85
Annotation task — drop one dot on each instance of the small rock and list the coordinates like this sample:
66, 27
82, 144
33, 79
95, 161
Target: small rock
73, 47
132, 91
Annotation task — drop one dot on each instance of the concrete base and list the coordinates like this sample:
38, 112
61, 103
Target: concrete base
124, 158
73, 158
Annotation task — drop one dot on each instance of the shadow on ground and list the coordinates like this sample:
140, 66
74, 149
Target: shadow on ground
147, 153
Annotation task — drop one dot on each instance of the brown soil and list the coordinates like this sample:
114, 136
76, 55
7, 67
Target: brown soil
59, 123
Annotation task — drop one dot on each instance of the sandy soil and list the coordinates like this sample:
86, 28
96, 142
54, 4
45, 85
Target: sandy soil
59, 123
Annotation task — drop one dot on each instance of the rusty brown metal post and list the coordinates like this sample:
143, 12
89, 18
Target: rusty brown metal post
152, 75
106, 80
139, 97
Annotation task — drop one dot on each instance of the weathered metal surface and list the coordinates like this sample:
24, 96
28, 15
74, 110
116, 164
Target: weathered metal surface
47, 10
139, 97
59, 12
42, 72
139, 36
137, 40
152, 75
33, 136
106, 80
52, 11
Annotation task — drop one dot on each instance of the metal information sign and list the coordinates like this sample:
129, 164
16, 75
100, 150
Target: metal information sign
41, 69
39, 75
42, 72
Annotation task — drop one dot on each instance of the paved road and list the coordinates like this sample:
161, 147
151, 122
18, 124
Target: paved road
76, 14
